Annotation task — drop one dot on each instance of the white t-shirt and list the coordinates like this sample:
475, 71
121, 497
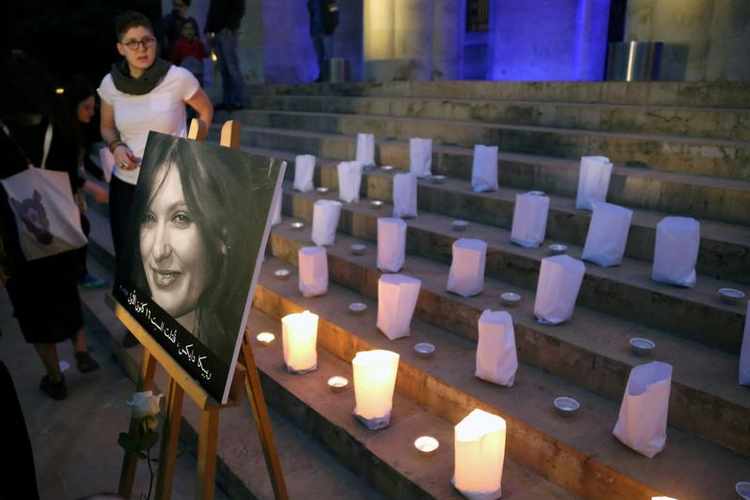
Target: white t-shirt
161, 110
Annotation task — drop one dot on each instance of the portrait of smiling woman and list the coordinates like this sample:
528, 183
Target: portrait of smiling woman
199, 215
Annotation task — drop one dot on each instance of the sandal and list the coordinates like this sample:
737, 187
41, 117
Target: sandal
85, 362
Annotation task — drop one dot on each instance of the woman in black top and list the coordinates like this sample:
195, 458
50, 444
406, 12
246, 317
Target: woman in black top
44, 292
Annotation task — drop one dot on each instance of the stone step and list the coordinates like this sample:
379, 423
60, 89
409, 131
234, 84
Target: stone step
579, 453
689, 94
619, 291
241, 469
712, 157
719, 123
724, 251
385, 458
306, 415
591, 351
724, 200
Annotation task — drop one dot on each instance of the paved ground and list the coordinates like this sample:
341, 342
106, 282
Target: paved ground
75, 440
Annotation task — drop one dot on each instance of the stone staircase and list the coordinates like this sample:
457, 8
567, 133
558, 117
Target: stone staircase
678, 148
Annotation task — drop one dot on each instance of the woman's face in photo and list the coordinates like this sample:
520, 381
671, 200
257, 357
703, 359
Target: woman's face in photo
138, 47
174, 255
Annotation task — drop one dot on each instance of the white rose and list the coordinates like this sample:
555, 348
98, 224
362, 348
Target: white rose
145, 404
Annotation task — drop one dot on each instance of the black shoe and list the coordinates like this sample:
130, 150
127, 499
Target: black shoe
85, 362
129, 340
56, 390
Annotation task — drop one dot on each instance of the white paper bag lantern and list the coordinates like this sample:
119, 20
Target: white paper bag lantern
745, 351
326, 215
642, 423
608, 234
466, 276
313, 271
397, 299
350, 180
484, 169
405, 195
497, 359
676, 251
529, 220
391, 244
365, 149
374, 381
560, 279
276, 207
593, 181
420, 157
299, 341
479, 455
107, 163
304, 170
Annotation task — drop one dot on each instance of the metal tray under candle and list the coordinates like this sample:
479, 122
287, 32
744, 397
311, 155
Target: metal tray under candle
424, 349
566, 406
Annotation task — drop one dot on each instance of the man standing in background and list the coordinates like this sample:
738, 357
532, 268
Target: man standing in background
222, 25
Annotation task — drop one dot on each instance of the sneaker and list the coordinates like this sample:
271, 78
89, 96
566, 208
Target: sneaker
56, 390
90, 281
129, 340
85, 362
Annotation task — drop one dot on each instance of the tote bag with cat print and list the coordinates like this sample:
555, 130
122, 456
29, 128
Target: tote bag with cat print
47, 217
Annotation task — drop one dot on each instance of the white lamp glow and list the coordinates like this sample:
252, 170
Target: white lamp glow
374, 382
479, 455
299, 338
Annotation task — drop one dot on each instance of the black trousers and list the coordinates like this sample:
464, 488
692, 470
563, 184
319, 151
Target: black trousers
121, 195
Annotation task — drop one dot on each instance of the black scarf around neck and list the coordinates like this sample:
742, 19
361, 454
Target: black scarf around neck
142, 85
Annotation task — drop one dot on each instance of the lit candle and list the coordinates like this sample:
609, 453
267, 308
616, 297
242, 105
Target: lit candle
374, 382
479, 454
299, 338
337, 384
265, 338
426, 444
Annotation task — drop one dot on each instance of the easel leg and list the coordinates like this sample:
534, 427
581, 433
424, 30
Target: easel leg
208, 436
170, 437
130, 461
263, 421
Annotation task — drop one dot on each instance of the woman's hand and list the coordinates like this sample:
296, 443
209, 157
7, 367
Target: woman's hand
124, 158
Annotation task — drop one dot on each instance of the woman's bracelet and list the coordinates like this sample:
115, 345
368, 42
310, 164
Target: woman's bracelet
114, 144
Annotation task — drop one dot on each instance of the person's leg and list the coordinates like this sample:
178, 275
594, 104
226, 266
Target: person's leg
87, 280
84, 361
234, 74
226, 91
53, 383
120, 201
320, 53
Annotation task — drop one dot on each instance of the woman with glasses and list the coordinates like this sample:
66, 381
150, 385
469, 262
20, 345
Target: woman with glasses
140, 94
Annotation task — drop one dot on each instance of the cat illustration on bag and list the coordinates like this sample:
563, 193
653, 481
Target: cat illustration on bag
31, 211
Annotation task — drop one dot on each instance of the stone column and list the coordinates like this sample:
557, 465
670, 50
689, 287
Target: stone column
448, 32
548, 39
703, 39
398, 38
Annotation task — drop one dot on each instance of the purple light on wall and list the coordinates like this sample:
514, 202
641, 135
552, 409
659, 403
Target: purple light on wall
548, 39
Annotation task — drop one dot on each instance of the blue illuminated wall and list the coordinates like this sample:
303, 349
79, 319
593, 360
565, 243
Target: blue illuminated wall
547, 39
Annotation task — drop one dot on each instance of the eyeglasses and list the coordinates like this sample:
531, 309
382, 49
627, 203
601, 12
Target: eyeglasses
146, 43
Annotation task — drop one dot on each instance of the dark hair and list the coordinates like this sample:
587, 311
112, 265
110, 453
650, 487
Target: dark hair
217, 196
131, 19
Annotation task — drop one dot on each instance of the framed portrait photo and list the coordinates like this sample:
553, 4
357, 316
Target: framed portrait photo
199, 225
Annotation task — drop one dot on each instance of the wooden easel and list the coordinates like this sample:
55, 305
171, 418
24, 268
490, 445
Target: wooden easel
180, 382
